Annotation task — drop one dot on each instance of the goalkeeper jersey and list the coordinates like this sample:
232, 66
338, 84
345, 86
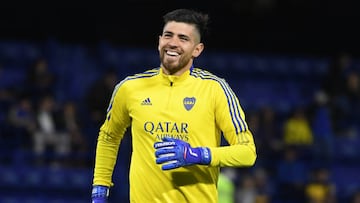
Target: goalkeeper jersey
196, 107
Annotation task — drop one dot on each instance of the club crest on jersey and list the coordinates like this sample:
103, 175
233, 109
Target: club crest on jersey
189, 102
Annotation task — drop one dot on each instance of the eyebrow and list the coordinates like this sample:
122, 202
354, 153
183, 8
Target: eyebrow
167, 32
180, 35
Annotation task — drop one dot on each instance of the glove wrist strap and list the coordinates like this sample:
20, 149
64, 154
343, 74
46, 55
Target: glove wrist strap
205, 156
100, 191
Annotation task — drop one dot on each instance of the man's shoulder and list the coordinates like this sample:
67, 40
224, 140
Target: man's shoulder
205, 74
138, 76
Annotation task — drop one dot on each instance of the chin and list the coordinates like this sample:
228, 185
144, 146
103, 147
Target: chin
171, 70
171, 66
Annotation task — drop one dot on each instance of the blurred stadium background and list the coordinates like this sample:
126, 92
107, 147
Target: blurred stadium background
280, 57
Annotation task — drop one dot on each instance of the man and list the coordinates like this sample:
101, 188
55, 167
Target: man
177, 115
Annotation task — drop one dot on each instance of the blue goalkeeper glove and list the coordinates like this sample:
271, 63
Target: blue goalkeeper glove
99, 194
176, 153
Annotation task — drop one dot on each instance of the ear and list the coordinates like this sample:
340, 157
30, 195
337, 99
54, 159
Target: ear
198, 49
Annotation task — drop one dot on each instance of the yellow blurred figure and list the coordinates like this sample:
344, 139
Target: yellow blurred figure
226, 188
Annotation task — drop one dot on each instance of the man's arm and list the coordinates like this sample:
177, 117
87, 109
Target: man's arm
106, 155
110, 136
240, 153
230, 118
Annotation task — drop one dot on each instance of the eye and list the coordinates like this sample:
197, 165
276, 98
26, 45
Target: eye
167, 35
184, 39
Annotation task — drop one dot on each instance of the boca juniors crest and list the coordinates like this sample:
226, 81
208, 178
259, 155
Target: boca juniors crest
189, 102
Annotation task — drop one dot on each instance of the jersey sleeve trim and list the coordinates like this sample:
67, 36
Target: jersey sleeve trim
233, 103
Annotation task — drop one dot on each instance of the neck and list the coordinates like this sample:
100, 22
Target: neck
176, 72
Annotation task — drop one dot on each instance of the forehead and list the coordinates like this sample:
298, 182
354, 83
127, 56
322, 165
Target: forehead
181, 28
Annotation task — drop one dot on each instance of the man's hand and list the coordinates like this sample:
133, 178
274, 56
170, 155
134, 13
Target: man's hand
99, 194
176, 153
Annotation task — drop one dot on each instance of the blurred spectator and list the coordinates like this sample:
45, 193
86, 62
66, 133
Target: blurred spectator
246, 191
7, 142
226, 185
298, 132
322, 128
39, 80
7, 94
355, 197
22, 120
98, 94
291, 175
7, 98
334, 84
334, 80
73, 126
50, 135
269, 140
320, 189
254, 122
263, 186
347, 106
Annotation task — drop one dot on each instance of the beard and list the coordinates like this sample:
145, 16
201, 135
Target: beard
174, 65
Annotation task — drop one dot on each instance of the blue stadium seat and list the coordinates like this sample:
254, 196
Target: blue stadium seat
11, 77
347, 149
240, 64
9, 177
346, 178
218, 62
80, 178
19, 53
280, 67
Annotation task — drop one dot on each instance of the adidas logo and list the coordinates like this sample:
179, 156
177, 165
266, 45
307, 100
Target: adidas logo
146, 102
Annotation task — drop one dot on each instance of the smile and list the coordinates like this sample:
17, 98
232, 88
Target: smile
172, 53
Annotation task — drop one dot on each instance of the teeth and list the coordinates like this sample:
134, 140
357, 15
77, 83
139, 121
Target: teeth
172, 53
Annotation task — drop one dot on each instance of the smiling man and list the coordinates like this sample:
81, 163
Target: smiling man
177, 115
178, 46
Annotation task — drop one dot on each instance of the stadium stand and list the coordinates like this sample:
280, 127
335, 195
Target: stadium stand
280, 82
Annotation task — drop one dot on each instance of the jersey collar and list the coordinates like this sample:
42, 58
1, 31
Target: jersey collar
175, 80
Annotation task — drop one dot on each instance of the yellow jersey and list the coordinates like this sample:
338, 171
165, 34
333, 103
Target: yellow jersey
197, 107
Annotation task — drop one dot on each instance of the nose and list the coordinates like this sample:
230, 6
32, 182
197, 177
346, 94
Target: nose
173, 42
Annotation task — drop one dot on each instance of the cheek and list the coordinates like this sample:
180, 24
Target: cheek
161, 46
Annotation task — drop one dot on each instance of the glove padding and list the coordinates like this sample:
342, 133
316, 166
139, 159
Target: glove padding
99, 194
176, 153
